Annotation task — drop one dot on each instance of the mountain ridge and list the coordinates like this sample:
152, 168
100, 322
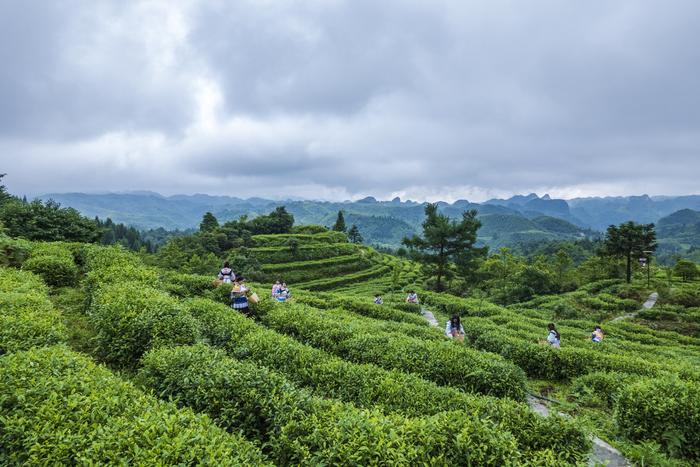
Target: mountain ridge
504, 221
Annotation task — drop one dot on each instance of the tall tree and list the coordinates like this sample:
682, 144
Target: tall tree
340, 223
4, 195
209, 223
443, 242
278, 221
629, 240
354, 234
686, 269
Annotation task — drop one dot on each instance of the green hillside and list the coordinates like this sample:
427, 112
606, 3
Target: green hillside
105, 345
679, 235
382, 223
507, 230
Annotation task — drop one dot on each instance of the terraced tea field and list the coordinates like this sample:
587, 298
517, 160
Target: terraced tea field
117, 360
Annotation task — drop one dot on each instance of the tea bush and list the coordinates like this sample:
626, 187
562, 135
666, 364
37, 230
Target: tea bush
441, 361
665, 410
59, 408
274, 255
298, 428
281, 240
370, 386
54, 262
27, 317
130, 317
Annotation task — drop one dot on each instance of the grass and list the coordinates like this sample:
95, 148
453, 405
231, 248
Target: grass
71, 303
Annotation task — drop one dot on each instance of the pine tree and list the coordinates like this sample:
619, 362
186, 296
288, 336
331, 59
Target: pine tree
445, 241
209, 223
629, 240
354, 234
340, 223
4, 195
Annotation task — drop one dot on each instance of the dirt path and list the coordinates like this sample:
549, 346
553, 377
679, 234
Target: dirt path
602, 452
651, 301
428, 315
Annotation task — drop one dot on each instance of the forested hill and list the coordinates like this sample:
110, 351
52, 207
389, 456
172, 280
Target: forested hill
506, 222
679, 234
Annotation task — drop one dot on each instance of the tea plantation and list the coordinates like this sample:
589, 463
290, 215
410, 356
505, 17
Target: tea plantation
105, 359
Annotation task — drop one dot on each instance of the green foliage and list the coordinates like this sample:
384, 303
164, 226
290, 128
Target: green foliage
686, 269
14, 252
362, 307
370, 386
664, 410
209, 223
439, 361
27, 317
299, 428
4, 195
276, 255
306, 271
328, 283
129, 237
339, 225
308, 229
278, 221
445, 241
293, 245
629, 241
213, 241
354, 234
54, 262
246, 265
599, 388
59, 408
47, 222
320, 239
131, 317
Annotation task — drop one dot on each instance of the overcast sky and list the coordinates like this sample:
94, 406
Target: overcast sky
332, 99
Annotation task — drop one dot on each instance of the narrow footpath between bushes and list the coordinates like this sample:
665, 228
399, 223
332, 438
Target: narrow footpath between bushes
428, 315
651, 301
602, 452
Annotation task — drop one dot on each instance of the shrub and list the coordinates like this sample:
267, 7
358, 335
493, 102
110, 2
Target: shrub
275, 254
309, 229
56, 271
441, 361
27, 317
282, 240
389, 312
370, 386
302, 429
306, 271
187, 285
599, 388
665, 410
59, 408
130, 317
13, 252
334, 282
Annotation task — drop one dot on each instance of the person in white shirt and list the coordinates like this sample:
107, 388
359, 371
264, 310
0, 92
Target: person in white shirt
553, 339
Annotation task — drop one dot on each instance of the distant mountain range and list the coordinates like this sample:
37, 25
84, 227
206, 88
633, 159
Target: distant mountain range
504, 221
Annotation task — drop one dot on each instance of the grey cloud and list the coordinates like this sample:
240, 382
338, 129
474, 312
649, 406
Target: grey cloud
350, 98
78, 69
